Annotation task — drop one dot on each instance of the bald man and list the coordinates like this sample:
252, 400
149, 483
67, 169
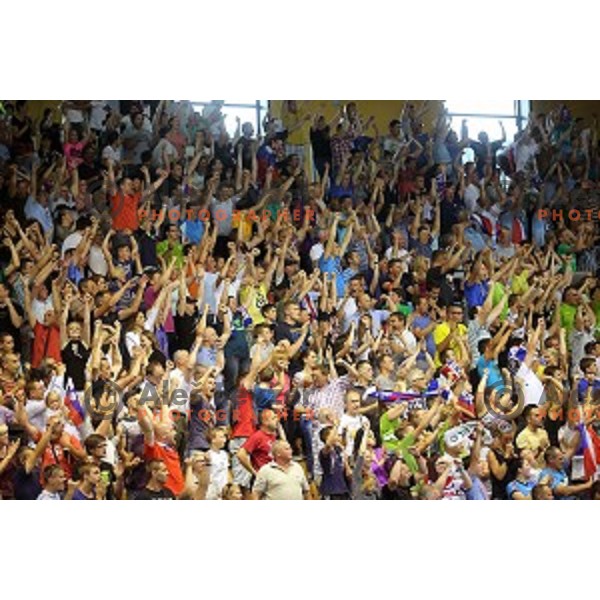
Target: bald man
281, 479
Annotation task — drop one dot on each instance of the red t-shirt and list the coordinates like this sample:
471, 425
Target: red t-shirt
258, 446
46, 344
243, 415
54, 454
169, 455
124, 211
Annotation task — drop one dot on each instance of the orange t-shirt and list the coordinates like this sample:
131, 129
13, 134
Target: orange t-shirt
124, 211
192, 287
170, 457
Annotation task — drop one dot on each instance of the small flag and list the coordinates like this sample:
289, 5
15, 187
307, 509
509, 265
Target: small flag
587, 447
466, 402
451, 371
76, 412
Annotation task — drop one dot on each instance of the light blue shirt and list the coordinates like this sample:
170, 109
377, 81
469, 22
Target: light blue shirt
34, 210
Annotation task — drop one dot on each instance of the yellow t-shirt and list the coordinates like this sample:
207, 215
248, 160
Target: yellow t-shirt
440, 333
254, 297
533, 440
245, 221
519, 283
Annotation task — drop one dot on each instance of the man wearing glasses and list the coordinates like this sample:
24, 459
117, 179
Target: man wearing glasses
447, 333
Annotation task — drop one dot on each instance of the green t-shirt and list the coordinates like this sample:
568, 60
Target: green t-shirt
499, 291
567, 317
162, 249
567, 249
391, 442
405, 309
272, 209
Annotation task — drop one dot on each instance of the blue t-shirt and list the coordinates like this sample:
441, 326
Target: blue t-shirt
477, 491
333, 264
421, 322
556, 478
583, 386
338, 191
476, 293
193, 230
519, 486
79, 495
263, 397
495, 379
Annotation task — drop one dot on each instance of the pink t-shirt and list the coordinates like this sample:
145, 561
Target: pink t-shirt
74, 154
150, 296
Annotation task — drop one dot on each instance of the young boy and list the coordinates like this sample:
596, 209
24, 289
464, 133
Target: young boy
219, 461
336, 471
265, 395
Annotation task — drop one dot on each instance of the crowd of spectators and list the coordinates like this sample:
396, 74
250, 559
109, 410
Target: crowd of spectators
327, 311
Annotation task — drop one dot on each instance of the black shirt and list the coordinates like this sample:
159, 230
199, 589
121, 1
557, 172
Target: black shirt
396, 493
147, 494
26, 485
87, 172
499, 485
436, 278
247, 145
283, 331
320, 141
185, 329
6, 325
75, 356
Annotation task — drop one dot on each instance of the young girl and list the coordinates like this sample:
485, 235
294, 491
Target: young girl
231, 491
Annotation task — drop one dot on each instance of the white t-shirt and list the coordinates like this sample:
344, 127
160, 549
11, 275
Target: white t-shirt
97, 115
218, 474
566, 435
210, 296
39, 308
402, 253
532, 387
350, 313
348, 427
110, 153
316, 252
472, 194
524, 152
45, 495
74, 116
177, 383
409, 340
163, 147
97, 262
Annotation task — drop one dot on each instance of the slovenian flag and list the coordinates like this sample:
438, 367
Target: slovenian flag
588, 448
76, 412
466, 402
451, 371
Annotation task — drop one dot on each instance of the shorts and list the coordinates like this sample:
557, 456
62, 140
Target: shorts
241, 475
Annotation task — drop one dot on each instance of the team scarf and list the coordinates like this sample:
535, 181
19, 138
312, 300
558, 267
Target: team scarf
435, 388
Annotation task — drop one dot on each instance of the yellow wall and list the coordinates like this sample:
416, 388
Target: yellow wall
579, 108
383, 110
35, 108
